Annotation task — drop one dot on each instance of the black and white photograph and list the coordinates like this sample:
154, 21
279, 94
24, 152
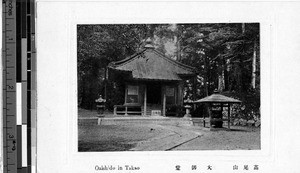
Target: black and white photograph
164, 86
168, 87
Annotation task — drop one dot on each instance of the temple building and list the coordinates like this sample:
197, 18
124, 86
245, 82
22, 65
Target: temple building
153, 82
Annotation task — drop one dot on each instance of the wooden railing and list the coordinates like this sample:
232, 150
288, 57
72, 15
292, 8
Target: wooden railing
127, 110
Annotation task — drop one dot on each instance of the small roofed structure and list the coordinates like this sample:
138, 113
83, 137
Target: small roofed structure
217, 102
153, 82
217, 98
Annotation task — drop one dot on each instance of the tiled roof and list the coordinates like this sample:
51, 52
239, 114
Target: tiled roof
150, 64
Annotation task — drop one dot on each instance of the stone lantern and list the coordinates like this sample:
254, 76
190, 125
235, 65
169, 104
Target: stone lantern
100, 105
187, 111
100, 108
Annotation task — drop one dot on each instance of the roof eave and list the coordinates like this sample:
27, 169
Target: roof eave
117, 63
236, 102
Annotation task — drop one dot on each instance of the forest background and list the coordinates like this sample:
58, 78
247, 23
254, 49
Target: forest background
226, 55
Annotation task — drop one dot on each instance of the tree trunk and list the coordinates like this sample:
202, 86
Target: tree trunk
240, 73
194, 87
151, 29
254, 66
226, 76
205, 76
177, 42
178, 49
105, 82
221, 80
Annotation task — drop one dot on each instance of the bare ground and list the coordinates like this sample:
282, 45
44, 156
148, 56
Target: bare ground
114, 137
150, 137
161, 136
239, 138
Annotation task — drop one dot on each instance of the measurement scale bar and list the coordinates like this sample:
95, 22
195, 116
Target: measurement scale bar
18, 55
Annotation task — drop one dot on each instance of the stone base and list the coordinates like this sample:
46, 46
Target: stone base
187, 116
143, 120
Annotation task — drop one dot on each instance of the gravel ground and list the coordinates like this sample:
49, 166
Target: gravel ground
239, 138
114, 137
127, 136
83, 113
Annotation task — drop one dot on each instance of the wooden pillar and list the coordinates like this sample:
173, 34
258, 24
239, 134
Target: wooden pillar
194, 89
180, 94
126, 109
126, 91
115, 110
99, 121
221, 116
209, 113
164, 101
228, 116
145, 100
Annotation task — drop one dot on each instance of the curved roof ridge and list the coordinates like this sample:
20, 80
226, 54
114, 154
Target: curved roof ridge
132, 57
155, 65
128, 59
184, 66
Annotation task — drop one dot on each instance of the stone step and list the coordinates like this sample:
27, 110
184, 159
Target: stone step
141, 120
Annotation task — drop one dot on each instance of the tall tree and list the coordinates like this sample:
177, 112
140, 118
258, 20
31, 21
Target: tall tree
98, 45
226, 55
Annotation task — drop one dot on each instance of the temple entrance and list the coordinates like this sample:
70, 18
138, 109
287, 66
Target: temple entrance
154, 94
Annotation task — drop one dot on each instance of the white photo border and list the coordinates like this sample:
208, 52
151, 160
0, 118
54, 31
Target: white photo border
66, 155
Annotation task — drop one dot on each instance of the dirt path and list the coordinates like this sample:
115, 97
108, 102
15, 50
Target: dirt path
239, 138
158, 135
175, 137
